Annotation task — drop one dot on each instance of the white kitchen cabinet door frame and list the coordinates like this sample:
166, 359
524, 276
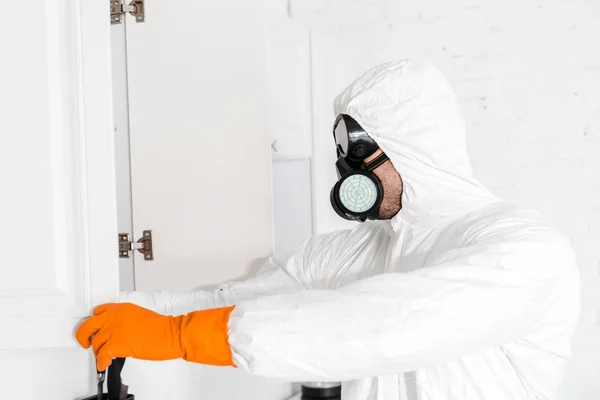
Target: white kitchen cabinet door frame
76, 204
58, 204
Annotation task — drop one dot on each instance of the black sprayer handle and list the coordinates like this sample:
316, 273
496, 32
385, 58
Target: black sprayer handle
114, 382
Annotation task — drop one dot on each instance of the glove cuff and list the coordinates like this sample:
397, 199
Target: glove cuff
205, 337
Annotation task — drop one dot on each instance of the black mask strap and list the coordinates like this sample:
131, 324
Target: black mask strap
376, 162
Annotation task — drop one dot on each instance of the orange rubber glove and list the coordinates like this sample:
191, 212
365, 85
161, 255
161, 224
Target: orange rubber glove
127, 330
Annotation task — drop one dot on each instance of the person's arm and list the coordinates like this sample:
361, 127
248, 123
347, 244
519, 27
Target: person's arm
467, 300
164, 325
273, 278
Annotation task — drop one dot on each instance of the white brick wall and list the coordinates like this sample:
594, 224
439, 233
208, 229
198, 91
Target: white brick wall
528, 77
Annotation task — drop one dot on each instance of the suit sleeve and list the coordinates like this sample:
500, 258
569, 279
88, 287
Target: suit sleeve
464, 301
273, 278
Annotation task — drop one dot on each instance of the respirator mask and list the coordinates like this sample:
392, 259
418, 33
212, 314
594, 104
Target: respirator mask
358, 192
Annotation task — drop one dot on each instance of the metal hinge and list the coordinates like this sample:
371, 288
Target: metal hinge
135, 8
143, 245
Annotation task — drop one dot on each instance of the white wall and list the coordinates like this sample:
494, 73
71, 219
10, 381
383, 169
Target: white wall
528, 78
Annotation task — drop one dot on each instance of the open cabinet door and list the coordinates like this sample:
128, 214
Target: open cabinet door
200, 168
58, 206
200, 151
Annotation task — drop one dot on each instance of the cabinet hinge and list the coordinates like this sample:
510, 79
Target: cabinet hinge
143, 245
118, 9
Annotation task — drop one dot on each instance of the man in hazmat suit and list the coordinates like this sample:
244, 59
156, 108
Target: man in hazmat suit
442, 291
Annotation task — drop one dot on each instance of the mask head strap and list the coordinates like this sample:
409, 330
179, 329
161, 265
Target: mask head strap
376, 162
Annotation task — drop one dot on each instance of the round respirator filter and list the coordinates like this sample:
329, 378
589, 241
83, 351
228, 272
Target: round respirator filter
358, 193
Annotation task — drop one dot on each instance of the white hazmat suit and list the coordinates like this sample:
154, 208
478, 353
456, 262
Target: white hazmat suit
460, 296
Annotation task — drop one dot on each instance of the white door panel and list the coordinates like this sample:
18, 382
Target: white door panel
57, 209
200, 148
200, 168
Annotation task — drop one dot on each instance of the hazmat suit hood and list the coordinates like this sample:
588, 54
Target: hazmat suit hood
412, 113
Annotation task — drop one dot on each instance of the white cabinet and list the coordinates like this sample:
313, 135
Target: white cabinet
58, 207
196, 85
200, 164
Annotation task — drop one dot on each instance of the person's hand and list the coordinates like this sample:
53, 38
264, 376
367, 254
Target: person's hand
127, 330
